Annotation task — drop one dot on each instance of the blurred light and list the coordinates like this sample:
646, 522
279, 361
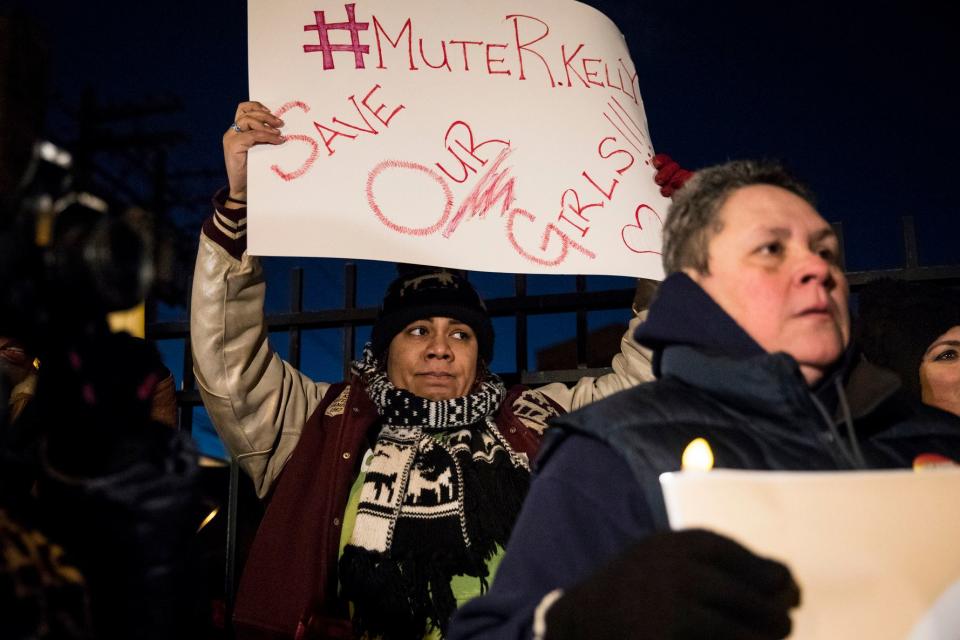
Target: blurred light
698, 456
133, 320
82, 198
55, 155
43, 235
932, 462
208, 519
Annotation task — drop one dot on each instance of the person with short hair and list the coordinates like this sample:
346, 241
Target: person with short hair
751, 339
390, 495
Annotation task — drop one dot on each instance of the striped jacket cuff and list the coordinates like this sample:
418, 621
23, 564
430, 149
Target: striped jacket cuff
227, 227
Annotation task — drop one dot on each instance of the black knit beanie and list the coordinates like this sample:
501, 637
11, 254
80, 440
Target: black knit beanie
432, 294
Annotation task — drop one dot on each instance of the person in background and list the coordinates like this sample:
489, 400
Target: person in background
389, 495
18, 372
19, 368
913, 329
940, 371
96, 498
750, 333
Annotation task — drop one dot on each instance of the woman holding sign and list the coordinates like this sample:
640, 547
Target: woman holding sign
390, 496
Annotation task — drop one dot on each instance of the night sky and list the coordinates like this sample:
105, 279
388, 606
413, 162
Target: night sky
860, 99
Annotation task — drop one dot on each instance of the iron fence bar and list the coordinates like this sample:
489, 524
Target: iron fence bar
538, 378
842, 258
296, 306
187, 385
562, 302
581, 288
229, 585
188, 382
191, 397
350, 304
910, 253
520, 343
527, 304
530, 305
947, 274
498, 307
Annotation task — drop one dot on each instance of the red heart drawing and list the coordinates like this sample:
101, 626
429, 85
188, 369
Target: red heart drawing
645, 236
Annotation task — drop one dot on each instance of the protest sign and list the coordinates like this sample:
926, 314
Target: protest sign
875, 552
496, 135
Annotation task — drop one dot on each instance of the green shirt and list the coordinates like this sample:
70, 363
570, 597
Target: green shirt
464, 587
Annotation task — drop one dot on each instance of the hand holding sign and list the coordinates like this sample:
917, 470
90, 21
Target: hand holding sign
670, 175
252, 124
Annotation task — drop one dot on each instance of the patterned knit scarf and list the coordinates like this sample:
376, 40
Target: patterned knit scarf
441, 493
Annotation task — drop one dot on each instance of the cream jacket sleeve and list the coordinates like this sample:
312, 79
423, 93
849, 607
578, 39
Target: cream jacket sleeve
632, 366
257, 402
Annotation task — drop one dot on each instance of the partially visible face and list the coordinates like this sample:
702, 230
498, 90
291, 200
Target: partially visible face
940, 372
15, 362
434, 358
774, 268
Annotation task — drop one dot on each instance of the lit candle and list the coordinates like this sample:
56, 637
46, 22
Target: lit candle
698, 456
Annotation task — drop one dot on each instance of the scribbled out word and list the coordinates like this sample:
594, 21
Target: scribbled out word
323, 28
494, 189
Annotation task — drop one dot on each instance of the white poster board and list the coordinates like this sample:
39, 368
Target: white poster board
876, 553
496, 135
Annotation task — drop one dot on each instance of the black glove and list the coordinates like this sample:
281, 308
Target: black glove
684, 584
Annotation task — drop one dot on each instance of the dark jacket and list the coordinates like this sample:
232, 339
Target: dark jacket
597, 486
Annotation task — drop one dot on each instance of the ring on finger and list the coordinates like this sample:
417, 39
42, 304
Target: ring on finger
236, 127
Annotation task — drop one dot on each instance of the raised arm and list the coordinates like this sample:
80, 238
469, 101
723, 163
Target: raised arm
257, 402
633, 365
